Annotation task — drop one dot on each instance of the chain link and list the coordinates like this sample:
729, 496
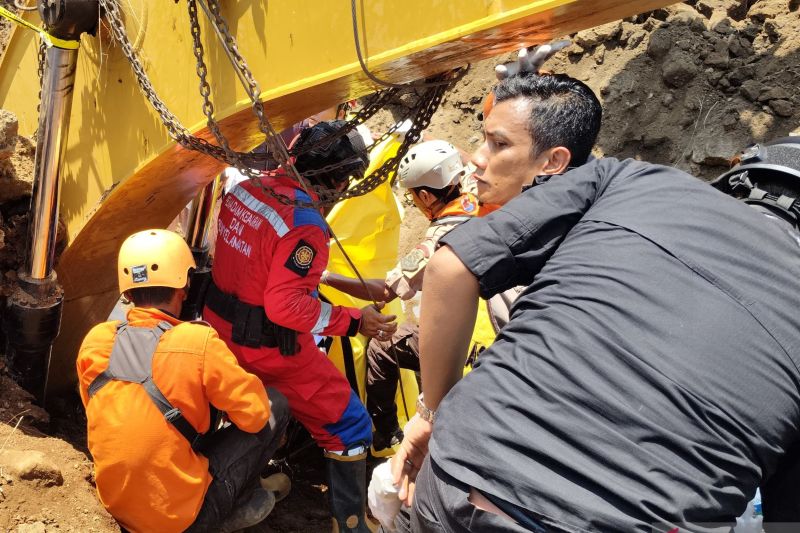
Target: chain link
175, 129
40, 58
428, 101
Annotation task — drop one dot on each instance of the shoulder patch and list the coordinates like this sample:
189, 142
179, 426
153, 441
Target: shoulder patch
410, 263
300, 259
467, 204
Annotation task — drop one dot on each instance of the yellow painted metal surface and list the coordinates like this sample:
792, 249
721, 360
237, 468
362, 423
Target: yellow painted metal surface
123, 173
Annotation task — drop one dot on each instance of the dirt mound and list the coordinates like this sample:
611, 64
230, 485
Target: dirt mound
46, 478
687, 86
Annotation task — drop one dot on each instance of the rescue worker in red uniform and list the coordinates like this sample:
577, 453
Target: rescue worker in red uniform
264, 303
432, 172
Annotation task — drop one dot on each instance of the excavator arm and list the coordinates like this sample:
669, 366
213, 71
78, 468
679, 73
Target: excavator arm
122, 172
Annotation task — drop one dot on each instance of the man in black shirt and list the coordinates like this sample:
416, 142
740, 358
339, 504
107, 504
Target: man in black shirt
535, 127
648, 376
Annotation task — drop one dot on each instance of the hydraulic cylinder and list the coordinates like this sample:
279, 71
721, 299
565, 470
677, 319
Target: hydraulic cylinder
197, 236
32, 317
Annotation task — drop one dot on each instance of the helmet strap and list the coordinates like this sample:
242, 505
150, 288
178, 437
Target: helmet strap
784, 206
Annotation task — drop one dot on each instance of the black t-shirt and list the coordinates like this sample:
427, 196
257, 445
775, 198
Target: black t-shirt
649, 372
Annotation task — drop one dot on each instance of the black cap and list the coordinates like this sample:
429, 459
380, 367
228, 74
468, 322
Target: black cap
348, 153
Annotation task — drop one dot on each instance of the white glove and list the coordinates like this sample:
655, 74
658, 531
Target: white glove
382, 496
530, 59
404, 128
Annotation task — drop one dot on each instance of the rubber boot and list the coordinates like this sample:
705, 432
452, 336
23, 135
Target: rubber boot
386, 444
249, 511
347, 481
278, 483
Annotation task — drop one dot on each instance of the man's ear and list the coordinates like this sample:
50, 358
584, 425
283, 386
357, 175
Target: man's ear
425, 197
558, 159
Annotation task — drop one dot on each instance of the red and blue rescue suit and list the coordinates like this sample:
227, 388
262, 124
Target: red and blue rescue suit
271, 255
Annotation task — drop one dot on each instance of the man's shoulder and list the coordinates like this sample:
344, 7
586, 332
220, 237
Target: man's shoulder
306, 215
613, 168
97, 345
101, 333
189, 337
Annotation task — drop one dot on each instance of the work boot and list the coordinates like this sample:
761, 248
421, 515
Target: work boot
347, 482
250, 510
278, 483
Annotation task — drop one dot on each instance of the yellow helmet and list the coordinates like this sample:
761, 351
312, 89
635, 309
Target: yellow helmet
154, 258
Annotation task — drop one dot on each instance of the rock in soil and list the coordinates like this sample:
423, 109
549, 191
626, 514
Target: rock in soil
29, 465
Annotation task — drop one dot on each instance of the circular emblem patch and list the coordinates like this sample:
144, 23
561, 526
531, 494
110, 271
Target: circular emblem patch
467, 205
303, 256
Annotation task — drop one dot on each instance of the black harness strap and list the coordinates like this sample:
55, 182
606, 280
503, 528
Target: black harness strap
347, 355
250, 325
349, 363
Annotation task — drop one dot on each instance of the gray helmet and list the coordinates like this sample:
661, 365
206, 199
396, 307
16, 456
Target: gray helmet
776, 163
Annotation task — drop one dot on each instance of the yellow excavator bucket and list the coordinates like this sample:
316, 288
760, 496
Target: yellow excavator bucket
122, 172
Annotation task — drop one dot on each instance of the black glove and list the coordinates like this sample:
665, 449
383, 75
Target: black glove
287, 340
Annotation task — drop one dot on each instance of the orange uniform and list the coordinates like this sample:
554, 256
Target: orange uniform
147, 475
405, 279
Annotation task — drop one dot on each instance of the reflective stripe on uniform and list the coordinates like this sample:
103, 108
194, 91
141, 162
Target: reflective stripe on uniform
323, 319
257, 206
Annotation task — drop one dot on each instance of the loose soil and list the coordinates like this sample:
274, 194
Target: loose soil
686, 86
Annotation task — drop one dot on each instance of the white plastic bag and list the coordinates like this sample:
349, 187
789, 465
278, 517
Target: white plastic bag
751, 521
382, 496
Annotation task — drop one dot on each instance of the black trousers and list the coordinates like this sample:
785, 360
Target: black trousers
235, 460
383, 375
441, 505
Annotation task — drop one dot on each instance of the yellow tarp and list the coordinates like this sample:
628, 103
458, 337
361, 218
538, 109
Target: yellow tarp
369, 229
482, 336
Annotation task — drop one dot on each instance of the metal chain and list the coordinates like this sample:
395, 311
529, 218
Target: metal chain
41, 58
275, 143
428, 102
205, 93
175, 129
326, 196
212, 9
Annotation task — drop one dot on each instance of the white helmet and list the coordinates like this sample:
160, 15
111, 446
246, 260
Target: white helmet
434, 164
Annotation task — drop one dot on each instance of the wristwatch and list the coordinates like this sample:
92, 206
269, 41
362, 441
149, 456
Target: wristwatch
423, 411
